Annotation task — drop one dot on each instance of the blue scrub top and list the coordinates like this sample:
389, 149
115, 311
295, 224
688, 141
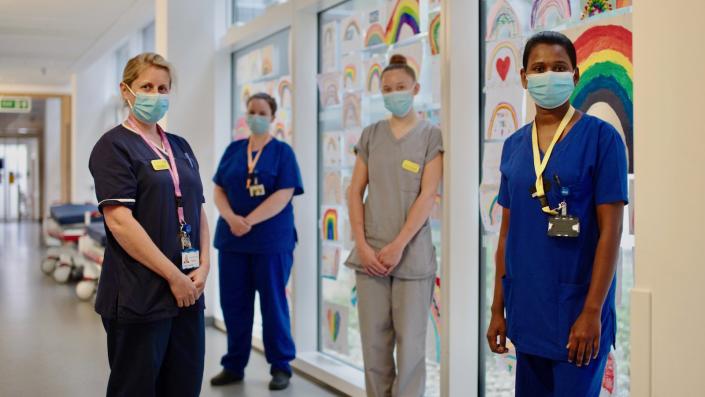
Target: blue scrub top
276, 169
123, 174
547, 278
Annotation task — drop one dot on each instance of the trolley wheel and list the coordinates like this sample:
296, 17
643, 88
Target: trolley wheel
48, 265
62, 274
85, 289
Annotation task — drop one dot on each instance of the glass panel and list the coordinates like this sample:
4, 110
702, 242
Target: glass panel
507, 24
263, 67
247, 10
353, 50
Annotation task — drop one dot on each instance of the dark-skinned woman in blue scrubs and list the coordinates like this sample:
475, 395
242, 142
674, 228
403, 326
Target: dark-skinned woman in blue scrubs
255, 183
150, 295
563, 191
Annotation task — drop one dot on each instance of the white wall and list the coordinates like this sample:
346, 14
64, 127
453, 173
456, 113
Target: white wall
667, 314
52, 153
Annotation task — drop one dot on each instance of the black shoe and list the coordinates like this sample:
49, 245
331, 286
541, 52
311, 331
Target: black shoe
280, 380
225, 378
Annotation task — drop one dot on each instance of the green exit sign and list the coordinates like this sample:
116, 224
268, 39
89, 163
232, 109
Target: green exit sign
15, 104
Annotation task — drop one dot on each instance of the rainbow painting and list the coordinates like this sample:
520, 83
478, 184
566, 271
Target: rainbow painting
434, 33
405, 12
374, 77
280, 130
350, 76
548, 13
330, 224
595, 7
375, 35
504, 113
502, 22
284, 91
606, 76
503, 65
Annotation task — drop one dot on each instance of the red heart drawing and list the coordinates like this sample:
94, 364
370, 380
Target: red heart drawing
503, 67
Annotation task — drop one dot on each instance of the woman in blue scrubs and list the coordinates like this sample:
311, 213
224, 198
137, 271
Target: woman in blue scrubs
563, 191
150, 295
255, 183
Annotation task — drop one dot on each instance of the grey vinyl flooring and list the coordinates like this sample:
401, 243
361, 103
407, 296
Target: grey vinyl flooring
51, 344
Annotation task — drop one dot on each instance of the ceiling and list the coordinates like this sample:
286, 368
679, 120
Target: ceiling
42, 41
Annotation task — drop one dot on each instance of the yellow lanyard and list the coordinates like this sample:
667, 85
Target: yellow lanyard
539, 165
252, 163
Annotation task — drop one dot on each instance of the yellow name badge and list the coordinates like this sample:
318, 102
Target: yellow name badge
160, 165
410, 166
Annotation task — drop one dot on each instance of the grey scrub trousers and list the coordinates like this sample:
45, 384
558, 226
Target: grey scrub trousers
393, 310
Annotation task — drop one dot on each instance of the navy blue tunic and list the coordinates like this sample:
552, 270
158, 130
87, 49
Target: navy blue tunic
122, 170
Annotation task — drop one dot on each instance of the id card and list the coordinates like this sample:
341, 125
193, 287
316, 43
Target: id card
190, 259
563, 226
410, 166
257, 191
160, 165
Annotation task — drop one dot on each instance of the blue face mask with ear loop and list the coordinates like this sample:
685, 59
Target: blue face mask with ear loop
550, 89
399, 103
149, 108
259, 125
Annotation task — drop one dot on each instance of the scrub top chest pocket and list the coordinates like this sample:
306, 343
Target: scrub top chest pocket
411, 164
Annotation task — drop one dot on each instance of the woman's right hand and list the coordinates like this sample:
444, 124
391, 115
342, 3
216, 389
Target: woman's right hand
372, 266
184, 290
497, 333
239, 226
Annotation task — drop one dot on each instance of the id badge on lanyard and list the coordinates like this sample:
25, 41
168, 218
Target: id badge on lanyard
255, 188
560, 223
190, 257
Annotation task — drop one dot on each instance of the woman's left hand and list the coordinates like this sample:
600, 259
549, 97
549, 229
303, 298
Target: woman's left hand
584, 339
390, 256
199, 277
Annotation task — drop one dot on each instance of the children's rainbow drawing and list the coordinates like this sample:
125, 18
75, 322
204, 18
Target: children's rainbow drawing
594, 7
495, 212
350, 76
330, 224
549, 12
374, 76
352, 110
606, 73
434, 33
280, 130
502, 22
504, 113
375, 35
406, 12
352, 30
329, 88
504, 64
436, 316
284, 90
333, 317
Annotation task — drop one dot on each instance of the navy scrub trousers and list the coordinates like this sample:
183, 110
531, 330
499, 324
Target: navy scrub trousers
242, 274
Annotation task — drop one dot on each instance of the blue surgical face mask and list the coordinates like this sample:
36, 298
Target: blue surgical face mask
399, 102
259, 125
550, 89
149, 108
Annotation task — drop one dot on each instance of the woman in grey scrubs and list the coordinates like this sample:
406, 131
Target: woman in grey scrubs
400, 163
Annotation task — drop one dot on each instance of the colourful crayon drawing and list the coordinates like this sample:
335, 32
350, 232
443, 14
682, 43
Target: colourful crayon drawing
284, 91
605, 62
503, 59
375, 35
504, 121
333, 317
352, 35
405, 13
502, 22
352, 110
546, 13
280, 130
330, 224
329, 88
350, 76
594, 7
374, 77
434, 34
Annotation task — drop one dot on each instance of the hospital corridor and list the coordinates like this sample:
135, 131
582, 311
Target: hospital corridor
364, 198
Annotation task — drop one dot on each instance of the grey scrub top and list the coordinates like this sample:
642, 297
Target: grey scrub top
393, 186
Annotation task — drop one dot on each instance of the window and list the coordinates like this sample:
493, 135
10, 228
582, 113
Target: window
263, 67
602, 33
356, 39
247, 10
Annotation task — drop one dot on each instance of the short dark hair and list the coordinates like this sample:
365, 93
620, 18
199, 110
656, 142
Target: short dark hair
265, 97
399, 62
550, 37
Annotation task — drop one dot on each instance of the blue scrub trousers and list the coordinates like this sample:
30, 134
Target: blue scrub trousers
542, 377
157, 358
242, 274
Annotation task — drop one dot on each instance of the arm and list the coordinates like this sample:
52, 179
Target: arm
270, 207
200, 275
238, 225
136, 242
356, 210
498, 325
418, 214
584, 340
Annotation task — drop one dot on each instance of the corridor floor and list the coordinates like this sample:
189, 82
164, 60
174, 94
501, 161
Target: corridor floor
51, 344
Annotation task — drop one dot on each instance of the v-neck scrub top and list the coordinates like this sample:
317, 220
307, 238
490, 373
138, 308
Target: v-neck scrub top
392, 190
547, 278
276, 169
121, 165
